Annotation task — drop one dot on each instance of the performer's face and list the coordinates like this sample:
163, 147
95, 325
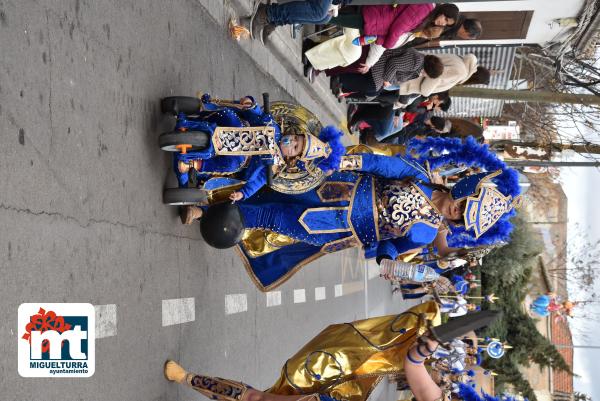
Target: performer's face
453, 209
291, 145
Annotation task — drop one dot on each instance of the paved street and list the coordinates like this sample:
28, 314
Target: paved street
81, 213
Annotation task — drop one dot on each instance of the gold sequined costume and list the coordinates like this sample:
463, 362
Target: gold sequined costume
347, 360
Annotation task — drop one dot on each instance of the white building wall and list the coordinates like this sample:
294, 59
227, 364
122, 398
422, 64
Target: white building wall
542, 28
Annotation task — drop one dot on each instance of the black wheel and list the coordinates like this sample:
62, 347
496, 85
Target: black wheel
184, 196
175, 141
180, 104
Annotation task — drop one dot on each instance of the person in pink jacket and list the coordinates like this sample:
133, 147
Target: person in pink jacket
384, 24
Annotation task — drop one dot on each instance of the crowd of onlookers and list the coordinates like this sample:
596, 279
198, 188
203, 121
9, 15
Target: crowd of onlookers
378, 63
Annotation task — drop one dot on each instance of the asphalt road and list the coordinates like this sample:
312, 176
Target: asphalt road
81, 217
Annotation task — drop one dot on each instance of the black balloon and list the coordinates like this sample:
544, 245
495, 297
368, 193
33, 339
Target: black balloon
222, 225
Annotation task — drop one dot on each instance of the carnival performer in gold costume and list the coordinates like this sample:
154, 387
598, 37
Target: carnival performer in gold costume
348, 360
343, 362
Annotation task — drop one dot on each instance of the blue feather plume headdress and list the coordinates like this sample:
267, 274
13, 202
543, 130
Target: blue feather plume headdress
332, 136
468, 393
439, 151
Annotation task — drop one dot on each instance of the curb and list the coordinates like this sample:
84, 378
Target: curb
281, 59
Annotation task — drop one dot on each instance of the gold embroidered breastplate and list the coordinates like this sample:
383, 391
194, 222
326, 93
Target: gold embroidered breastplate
246, 141
399, 206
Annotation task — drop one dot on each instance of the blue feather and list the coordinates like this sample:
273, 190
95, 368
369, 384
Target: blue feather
468, 393
333, 136
439, 151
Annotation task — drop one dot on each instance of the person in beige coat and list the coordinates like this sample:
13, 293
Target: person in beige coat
457, 71
341, 52
335, 52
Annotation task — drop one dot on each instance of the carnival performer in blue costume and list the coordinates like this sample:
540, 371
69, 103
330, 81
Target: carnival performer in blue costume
387, 205
237, 114
247, 153
461, 285
540, 305
412, 290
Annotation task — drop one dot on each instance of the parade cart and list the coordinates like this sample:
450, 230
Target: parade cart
193, 134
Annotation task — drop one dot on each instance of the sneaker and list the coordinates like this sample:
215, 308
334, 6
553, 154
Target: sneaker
295, 29
189, 214
305, 69
352, 108
266, 32
258, 21
353, 128
245, 22
311, 74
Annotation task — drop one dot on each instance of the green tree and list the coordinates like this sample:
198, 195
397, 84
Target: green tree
506, 273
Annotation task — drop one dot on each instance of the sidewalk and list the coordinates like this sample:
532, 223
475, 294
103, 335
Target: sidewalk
281, 59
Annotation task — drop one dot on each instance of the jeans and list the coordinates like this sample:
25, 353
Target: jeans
387, 131
299, 12
322, 22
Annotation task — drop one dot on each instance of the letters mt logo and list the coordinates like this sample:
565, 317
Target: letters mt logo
56, 340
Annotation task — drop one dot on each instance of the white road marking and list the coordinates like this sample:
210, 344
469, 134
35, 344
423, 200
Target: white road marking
320, 293
338, 290
235, 303
299, 296
177, 311
273, 298
106, 320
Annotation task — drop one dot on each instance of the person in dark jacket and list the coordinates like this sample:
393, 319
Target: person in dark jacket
394, 67
438, 101
465, 29
422, 126
383, 120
